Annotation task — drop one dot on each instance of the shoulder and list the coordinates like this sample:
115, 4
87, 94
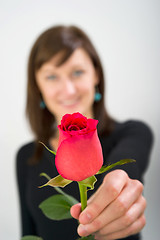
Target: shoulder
135, 131
24, 153
26, 149
133, 127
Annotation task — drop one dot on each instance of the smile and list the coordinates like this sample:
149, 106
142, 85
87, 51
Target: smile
69, 103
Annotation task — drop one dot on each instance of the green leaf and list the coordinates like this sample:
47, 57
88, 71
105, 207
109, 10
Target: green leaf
57, 181
45, 175
59, 190
89, 182
121, 162
30, 237
49, 178
57, 207
47, 148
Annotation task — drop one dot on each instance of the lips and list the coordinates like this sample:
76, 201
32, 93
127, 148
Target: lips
70, 103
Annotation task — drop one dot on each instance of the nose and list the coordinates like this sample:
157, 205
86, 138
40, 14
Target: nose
68, 87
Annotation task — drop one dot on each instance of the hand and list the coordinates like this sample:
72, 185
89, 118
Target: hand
115, 211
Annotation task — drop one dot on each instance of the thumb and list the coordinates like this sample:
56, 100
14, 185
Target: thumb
75, 210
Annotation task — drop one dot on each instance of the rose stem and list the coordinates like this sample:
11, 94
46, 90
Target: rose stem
83, 196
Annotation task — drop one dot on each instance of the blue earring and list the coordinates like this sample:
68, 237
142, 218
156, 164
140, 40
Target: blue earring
42, 105
97, 96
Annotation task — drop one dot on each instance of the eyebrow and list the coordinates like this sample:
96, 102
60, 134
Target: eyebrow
47, 69
78, 65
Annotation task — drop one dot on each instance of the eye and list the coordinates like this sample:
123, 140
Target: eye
77, 73
51, 77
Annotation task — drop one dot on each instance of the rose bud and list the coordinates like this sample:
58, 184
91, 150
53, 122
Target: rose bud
79, 154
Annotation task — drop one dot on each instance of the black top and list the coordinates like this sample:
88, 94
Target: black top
131, 139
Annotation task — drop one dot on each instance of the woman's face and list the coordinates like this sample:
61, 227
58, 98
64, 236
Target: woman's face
70, 87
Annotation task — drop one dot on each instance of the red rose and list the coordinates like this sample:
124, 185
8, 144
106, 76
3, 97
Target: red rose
79, 153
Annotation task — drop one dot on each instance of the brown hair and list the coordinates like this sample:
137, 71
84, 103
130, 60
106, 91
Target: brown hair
48, 44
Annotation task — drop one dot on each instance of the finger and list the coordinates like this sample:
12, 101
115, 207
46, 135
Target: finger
108, 192
115, 209
111, 178
134, 228
134, 212
75, 210
129, 195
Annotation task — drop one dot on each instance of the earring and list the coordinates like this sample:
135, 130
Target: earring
97, 96
42, 105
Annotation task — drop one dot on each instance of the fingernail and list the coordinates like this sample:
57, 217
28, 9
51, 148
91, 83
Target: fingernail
82, 230
85, 218
88, 216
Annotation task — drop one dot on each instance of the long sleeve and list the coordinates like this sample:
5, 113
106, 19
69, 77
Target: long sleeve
33, 221
132, 139
27, 224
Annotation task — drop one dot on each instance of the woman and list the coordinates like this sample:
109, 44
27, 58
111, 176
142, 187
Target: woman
65, 75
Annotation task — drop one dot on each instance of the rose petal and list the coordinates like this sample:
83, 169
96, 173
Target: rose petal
79, 157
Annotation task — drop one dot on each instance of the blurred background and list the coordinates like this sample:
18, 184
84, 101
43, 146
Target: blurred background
126, 34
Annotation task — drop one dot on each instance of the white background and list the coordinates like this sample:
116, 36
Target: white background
127, 36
